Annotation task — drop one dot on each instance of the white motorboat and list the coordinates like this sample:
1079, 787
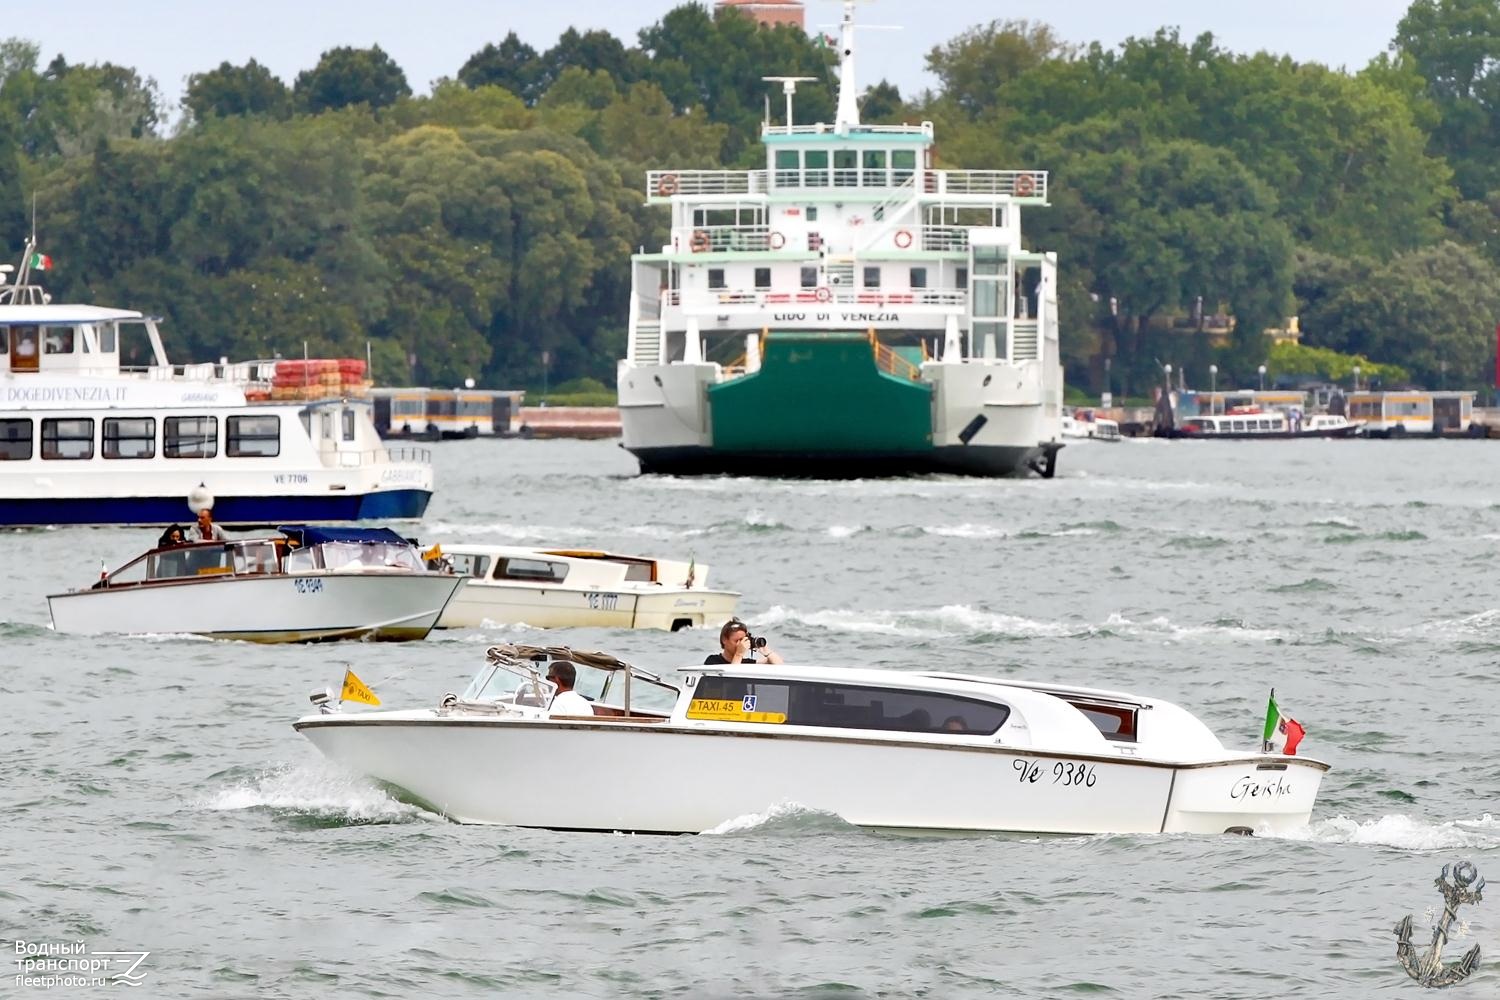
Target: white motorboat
306, 584
559, 588
880, 748
1249, 423
1085, 424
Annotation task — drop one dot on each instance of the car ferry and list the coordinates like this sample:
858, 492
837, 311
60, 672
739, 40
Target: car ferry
880, 748
849, 310
87, 439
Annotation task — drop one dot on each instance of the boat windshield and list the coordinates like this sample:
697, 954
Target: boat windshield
511, 685
341, 555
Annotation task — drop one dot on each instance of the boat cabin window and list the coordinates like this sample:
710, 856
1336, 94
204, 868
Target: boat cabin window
842, 706
468, 564
129, 437
348, 424
107, 334
919, 277
337, 555
300, 561
1114, 722
716, 277
531, 569
58, 340
762, 277
253, 437
15, 440
68, 438
809, 277
131, 572
815, 163
192, 560
23, 348
190, 437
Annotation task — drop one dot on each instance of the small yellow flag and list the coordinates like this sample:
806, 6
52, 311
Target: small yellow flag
355, 690
436, 552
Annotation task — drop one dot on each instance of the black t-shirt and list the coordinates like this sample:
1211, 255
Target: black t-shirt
717, 659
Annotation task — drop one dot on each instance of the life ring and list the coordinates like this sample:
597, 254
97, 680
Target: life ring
699, 242
903, 238
775, 241
824, 293
1025, 185
667, 185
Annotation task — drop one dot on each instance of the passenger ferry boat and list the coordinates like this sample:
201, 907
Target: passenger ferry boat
561, 588
304, 584
85, 439
1087, 425
1251, 423
880, 748
847, 311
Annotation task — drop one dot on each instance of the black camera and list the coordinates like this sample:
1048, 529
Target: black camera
756, 641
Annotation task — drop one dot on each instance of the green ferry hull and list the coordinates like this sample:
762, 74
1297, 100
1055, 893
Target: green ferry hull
820, 406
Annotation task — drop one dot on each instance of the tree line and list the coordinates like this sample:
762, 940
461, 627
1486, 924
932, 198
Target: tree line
476, 230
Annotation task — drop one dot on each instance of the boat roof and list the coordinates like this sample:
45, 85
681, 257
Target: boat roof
307, 534
485, 549
64, 313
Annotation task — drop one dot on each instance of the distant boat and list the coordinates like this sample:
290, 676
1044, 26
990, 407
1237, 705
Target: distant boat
305, 584
1087, 425
562, 588
1251, 423
87, 439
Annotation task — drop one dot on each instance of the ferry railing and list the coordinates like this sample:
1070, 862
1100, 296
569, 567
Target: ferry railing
812, 298
945, 238
384, 455
708, 239
1031, 184
663, 184
892, 363
824, 128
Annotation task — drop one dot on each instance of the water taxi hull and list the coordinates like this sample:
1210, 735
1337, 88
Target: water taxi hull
479, 603
477, 770
273, 608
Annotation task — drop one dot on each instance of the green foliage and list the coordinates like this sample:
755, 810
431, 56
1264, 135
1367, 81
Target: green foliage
250, 89
346, 76
1287, 358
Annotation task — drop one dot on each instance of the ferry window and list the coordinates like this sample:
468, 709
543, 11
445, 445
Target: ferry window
348, 416
845, 168
129, 437
762, 277
812, 213
919, 277
531, 569
1239, 425
68, 438
15, 440
716, 277
786, 167
190, 437
874, 164
809, 277
253, 437
962, 280
872, 277
815, 163
465, 564
107, 333
903, 165
58, 340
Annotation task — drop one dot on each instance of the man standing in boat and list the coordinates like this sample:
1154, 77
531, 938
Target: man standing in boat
205, 530
738, 646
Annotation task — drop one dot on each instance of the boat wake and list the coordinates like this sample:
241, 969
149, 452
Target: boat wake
1402, 832
319, 793
784, 818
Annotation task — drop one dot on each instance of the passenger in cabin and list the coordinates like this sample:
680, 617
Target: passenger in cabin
171, 537
955, 724
205, 530
736, 646
26, 344
566, 701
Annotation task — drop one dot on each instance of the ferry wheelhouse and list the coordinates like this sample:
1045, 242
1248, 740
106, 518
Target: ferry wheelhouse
88, 439
848, 310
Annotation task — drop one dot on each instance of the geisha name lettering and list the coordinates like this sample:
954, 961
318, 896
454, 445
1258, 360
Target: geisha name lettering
1248, 788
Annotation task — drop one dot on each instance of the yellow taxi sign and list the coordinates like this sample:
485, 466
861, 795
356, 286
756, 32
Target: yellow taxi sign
731, 710
356, 690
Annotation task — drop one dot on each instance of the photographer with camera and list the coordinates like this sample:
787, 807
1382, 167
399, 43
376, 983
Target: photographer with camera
739, 646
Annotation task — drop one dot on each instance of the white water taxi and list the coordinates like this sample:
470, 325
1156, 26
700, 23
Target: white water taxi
1087, 425
86, 438
306, 584
1252, 423
880, 748
560, 588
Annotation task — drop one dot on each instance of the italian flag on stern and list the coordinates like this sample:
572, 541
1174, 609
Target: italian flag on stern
41, 262
1283, 724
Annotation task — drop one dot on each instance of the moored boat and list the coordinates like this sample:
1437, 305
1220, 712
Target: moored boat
304, 584
1252, 423
880, 748
1086, 425
558, 588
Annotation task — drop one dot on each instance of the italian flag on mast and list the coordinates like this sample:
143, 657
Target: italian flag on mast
1283, 724
41, 262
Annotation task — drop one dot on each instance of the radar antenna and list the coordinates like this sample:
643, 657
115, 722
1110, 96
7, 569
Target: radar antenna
789, 87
